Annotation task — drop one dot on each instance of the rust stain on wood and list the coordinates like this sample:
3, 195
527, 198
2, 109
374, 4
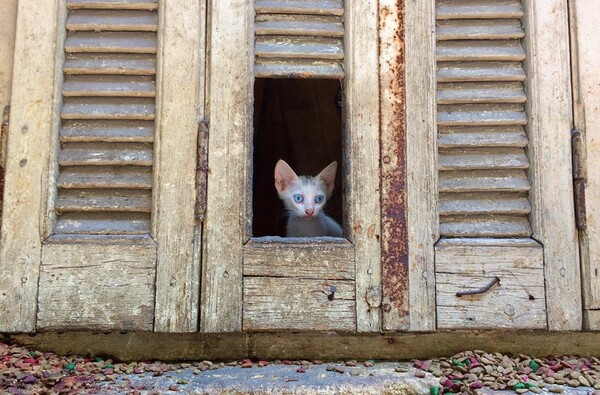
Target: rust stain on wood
393, 166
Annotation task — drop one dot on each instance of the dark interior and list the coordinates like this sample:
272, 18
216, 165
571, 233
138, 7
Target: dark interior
299, 121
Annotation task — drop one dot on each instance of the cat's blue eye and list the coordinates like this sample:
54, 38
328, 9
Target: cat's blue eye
298, 198
319, 199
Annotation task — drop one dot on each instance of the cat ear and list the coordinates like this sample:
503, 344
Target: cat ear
328, 176
284, 176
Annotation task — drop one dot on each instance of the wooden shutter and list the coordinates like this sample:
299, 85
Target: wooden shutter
107, 118
483, 181
103, 167
299, 38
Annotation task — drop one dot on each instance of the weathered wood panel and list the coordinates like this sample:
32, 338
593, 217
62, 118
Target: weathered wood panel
8, 26
518, 301
585, 40
362, 150
180, 106
421, 167
314, 260
27, 164
550, 110
299, 303
97, 287
227, 224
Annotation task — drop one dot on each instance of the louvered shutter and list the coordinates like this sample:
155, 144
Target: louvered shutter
108, 238
107, 118
299, 38
483, 183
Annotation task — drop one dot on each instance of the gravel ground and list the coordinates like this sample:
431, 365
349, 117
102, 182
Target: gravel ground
24, 371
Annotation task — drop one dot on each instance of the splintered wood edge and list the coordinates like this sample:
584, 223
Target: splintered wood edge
310, 345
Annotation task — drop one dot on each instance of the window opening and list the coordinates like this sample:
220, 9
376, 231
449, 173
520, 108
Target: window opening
299, 121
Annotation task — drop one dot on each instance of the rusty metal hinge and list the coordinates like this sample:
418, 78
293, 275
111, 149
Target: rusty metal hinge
579, 178
4, 135
201, 169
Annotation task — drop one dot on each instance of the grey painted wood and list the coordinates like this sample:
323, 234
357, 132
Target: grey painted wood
318, 7
114, 85
103, 223
479, 71
90, 63
104, 200
106, 154
480, 92
484, 180
484, 203
480, 50
111, 20
288, 68
481, 114
121, 42
108, 108
485, 226
479, 29
467, 9
128, 177
299, 47
106, 131
114, 4
285, 27
482, 159
478, 136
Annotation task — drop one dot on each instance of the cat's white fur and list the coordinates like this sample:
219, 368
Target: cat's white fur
306, 218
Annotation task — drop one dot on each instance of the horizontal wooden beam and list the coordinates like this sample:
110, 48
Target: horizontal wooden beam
311, 345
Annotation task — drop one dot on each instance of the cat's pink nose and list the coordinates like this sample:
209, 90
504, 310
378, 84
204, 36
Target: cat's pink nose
309, 212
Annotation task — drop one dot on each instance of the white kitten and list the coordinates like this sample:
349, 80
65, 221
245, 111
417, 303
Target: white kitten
304, 198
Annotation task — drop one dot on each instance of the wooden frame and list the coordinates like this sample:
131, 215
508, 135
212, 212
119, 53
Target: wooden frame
421, 162
180, 109
27, 164
586, 103
550, 113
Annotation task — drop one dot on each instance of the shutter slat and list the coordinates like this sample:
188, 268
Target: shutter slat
481, 114
478, 204
111, 20
118, 200
299, 47
479, 30
108, 108
480, 71
484, 181
89, 177
103, 223
299, 28
498, 136
110, 64
105, 154
107, 131
467, 9
492, 50
113, 4
121, 86
129, 42
479, 92
485, 226
316, 7
482, 159
286, 68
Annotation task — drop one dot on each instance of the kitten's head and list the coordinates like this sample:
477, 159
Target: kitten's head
304, 197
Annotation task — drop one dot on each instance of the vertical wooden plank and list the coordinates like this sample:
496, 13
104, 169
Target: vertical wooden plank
394, 234
27, 163
550, 112
421, 162
230, 119
8, 24
585, 17
362, 125
180, 108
